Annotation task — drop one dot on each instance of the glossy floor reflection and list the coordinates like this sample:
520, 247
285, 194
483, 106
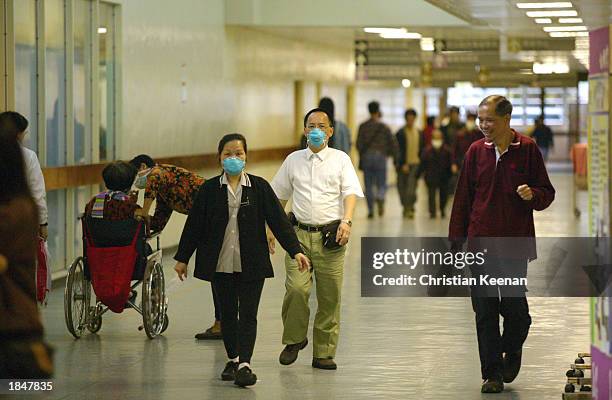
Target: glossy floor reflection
391, 348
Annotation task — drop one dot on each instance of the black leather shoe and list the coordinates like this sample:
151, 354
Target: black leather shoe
229, 373
492, 385
290, 352
512, 365
245, 377
324, 363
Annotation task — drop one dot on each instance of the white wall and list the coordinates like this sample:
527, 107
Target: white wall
237, 79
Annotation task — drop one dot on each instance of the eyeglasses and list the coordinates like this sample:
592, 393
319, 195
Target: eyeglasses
320, 126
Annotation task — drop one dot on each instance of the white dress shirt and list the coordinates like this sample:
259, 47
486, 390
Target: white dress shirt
319, 182
36, 182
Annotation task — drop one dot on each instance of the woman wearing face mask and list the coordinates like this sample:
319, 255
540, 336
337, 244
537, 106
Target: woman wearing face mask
227, 226
436, 164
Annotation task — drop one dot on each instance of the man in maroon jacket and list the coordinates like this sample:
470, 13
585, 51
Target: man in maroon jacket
503, 179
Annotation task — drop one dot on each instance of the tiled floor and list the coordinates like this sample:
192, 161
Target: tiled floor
390, 348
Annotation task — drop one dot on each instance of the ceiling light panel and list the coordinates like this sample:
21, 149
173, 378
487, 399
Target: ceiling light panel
562, 4
570, 20
557, 13
570, 28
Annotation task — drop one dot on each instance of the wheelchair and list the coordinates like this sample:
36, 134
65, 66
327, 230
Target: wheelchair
109, 249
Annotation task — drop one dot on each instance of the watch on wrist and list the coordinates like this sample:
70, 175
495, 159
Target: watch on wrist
348, 222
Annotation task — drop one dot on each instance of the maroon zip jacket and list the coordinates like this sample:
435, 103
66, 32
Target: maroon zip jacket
486, 202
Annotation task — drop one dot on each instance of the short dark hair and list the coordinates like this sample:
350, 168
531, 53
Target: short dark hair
471, 115
12, 123
142, 159
119, 175
410, 111
327, 104
373, 107
229, 138
453, 109
502, 105
316, 110
431, 120
13, 180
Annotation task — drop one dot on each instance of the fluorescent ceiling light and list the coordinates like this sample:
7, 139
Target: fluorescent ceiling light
383, 30
543, 21
570, 20
568, 34
427, 44
401, 35
406, 83
102, 29
550, 68
575, 28
563, 4
559, 13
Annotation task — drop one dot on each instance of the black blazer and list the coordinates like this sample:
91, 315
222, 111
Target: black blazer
400, 136
207, 221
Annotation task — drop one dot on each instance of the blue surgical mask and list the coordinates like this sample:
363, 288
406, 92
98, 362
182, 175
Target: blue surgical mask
141, 180
233, 165
316, 137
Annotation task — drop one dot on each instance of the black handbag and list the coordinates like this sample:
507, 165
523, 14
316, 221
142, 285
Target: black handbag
329, 233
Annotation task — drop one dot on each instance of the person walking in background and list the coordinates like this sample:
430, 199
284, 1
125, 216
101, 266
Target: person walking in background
173, 189
375, 143
410, 144
451, 130
227, 226
430, 126
543, 136
341, 139
436, 166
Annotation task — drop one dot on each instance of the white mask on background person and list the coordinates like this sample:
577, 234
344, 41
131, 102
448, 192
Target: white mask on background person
436, 143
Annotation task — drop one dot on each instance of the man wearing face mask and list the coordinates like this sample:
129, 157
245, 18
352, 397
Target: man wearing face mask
436, 165
173, 189
324, 186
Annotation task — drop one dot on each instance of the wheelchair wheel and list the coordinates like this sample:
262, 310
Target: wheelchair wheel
166, 322
95, 321
154, 301
77, 294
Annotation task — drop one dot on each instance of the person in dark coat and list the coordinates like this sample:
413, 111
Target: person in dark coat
436, 162
227, 226
502, 181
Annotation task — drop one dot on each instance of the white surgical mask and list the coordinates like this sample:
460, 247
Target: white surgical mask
436, 143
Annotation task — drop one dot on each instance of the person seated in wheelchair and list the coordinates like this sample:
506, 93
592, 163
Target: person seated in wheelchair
119, 205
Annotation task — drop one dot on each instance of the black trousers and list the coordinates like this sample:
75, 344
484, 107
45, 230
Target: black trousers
443, 193
239, 302
216, 303
489, 302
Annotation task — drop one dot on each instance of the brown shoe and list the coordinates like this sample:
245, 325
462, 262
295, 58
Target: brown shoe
324, 363
290, 352
210, 334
